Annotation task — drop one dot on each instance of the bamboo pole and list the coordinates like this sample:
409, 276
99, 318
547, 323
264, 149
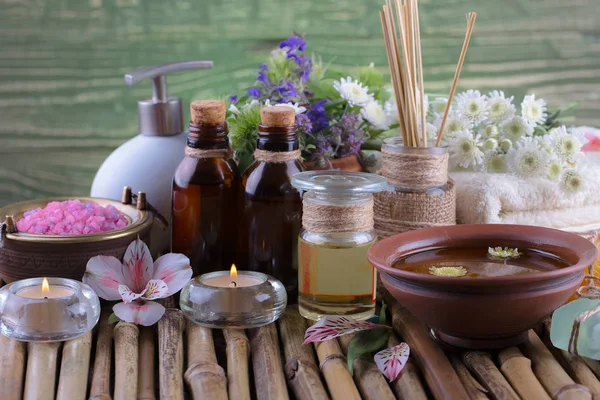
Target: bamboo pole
74, 368
238, 358
12, 368
41, 371
100, 389
170, 355
204, 375
517, 369
482, 366
301, 368
333, 365
472, 386
126, 360
370, 382
408, 386
553, 378
266, 362
147, 349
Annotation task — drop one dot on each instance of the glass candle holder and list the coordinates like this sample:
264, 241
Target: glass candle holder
47, 310
219, 300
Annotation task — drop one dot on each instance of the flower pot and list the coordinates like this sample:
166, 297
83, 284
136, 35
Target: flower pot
349, 163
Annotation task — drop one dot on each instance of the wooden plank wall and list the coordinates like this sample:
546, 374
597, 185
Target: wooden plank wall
64, 106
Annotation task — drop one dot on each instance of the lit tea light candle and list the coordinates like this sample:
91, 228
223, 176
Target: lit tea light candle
233, 280
45, 291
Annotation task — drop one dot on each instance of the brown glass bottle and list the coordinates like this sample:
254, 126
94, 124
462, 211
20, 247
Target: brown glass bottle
272, 211
206, 193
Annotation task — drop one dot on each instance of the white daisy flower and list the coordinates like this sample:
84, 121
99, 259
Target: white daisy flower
375, 115
391, 110
528, 159
473, 106
234, 110
572, 181
489, 131
490, 144
534, 111
432, 131
516, 128
353, 91
505, 145
566, 146
500, 107
454, 123
465, 149
554, 170
297, 108
438, 106
495, 162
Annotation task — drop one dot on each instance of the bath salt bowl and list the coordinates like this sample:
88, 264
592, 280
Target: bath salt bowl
27, 255
483, 312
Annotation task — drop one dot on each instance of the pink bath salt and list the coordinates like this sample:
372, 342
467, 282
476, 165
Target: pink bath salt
71, 217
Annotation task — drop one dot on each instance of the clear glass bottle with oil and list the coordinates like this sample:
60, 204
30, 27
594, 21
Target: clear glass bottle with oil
334, 275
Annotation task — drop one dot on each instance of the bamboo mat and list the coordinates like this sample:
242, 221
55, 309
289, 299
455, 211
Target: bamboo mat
177, 360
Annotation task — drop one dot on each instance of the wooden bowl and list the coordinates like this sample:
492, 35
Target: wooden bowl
26, 255
490, 312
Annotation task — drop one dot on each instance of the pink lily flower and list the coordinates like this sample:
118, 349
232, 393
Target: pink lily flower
137, 281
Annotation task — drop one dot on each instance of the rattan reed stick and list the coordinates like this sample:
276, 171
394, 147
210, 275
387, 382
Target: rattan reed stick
204, 375
266, 363
482, 366
553, 378
300, 368
41, 371
170, 355
74, 368
146, 358
408, 386
100, 389
517, 369
126, 360
238, 359
12, 368
370, 382
472, 386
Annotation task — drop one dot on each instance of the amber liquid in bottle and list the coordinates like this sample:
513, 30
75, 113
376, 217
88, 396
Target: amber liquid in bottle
206, 203
272, 211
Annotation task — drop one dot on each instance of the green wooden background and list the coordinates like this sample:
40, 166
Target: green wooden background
64, 106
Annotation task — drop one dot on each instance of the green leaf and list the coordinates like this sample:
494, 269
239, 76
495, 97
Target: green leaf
382, 313
113, 319
365, 342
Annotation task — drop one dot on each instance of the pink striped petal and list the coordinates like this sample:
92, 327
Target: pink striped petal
156, 289
138, 266
332, 326
128, 295
104, 275
174, 270
391, 361
144, 313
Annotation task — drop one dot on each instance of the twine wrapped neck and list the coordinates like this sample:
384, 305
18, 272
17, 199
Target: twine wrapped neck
320, 218
414, 170
587, 292
277, 156
212, 153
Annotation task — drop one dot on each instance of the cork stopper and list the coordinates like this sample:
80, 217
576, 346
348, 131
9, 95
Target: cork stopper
210, 112
277, 116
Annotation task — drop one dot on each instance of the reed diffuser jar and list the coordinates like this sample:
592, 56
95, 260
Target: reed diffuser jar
334, 275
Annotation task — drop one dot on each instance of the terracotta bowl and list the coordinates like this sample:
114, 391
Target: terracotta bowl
483, 313
25, 255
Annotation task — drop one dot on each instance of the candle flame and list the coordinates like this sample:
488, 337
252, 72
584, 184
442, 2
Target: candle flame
233, 270
45, 286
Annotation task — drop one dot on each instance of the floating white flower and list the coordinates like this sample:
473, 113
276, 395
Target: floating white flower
572, 181
516, 128
473, 106
528, 159
465, 149
375, 115
534, 111
500, 107
495, 162
297, 108
353, 91
454, 123
499, 252
566, 146
448, 271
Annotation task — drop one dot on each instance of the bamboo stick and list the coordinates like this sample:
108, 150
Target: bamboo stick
408, 386
41, 371
517, 369
472, 386
170, 355
204, 375
238, 354
333, 365
553, 378
100, 389
147, 349
74, 368
301, 368
370, 382
582, 373
266, 362
594, 365
126, 360
482, 366
12, 368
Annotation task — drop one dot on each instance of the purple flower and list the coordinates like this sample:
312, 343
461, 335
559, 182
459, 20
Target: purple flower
254, 92
262, 74
294, 42
303, 124
318, 118
233, 99
286, 90
323, 152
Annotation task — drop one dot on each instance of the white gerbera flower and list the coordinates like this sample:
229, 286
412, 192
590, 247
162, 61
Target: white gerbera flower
554, 170
572, 181
454, 123
500, 107
391, 110
375, 115
516, 128
495, 162
489, 132
566, 146
534, 111
353, 91
528, 159
465, 149
297, 107
473, 106
490, 144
